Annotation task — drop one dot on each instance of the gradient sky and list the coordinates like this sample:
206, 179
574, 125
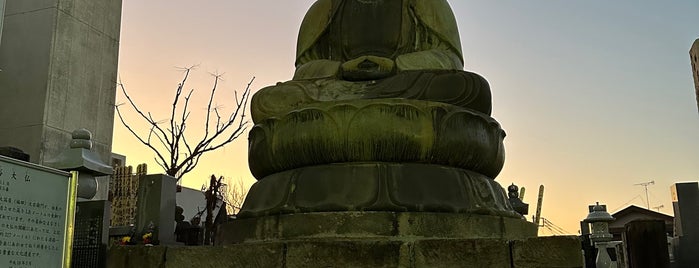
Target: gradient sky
595, 96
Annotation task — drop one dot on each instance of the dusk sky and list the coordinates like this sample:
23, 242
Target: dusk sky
595, 96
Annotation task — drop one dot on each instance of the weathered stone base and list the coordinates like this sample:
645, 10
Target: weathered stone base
403, 226
561, 252
377, 186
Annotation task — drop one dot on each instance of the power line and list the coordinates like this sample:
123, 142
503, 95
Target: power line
555, 229
627, 202
560, 230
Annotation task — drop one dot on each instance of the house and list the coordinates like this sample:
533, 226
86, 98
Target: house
632, 213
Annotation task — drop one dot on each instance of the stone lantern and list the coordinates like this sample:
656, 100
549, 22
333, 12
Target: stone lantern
80, 158
599, 218
515, 200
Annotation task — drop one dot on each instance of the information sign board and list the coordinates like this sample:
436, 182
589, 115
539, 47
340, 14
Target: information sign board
37, 208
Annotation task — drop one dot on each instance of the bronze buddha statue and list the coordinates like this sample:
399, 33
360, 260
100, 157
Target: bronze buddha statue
373, 49
379, 116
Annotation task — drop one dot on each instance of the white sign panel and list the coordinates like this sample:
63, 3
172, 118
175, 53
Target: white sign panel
36, 215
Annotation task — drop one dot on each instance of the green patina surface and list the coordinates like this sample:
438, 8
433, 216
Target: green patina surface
379, 152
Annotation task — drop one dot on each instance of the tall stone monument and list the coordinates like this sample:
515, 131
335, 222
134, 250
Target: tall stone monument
694, 58
2, 17
59, 63
380, 127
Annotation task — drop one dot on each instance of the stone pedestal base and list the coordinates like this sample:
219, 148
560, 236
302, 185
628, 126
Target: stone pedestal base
377, 186
560, 252
397, 226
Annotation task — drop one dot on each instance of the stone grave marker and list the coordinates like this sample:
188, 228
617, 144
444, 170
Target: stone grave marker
685, 202
91, 234
646, 244
155, 210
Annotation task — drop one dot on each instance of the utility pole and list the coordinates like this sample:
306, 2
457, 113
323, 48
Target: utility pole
645, 185
539, 203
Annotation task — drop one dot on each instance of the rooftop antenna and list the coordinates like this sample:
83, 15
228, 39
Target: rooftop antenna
645, 185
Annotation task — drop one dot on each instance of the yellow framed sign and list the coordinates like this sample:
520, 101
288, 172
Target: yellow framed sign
37, 209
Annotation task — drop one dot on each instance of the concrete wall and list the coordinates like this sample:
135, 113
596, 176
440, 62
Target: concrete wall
694, 57
59, 62
555, 251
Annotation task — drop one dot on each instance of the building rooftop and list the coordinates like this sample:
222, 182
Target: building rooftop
632, 213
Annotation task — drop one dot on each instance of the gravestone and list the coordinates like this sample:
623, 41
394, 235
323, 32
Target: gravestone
155, 208
685, 203
59, 64
645, 243
91, 234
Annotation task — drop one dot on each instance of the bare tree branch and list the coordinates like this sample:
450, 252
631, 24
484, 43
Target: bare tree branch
175, 152
233, 194
121, 118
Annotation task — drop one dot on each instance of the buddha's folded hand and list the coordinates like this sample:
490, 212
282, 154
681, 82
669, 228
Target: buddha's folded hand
367, 68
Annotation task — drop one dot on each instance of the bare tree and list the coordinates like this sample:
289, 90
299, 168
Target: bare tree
173, 149
213, 197
227, 198
234, 192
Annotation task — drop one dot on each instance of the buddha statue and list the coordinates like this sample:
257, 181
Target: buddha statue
371, 49
379, 116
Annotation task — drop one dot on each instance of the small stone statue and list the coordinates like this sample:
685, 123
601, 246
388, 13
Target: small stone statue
517, 204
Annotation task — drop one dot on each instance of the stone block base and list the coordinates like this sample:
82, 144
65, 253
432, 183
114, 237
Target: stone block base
561, 252
373, 225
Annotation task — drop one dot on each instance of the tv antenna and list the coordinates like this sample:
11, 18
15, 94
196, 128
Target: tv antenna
645, 186
658, 208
